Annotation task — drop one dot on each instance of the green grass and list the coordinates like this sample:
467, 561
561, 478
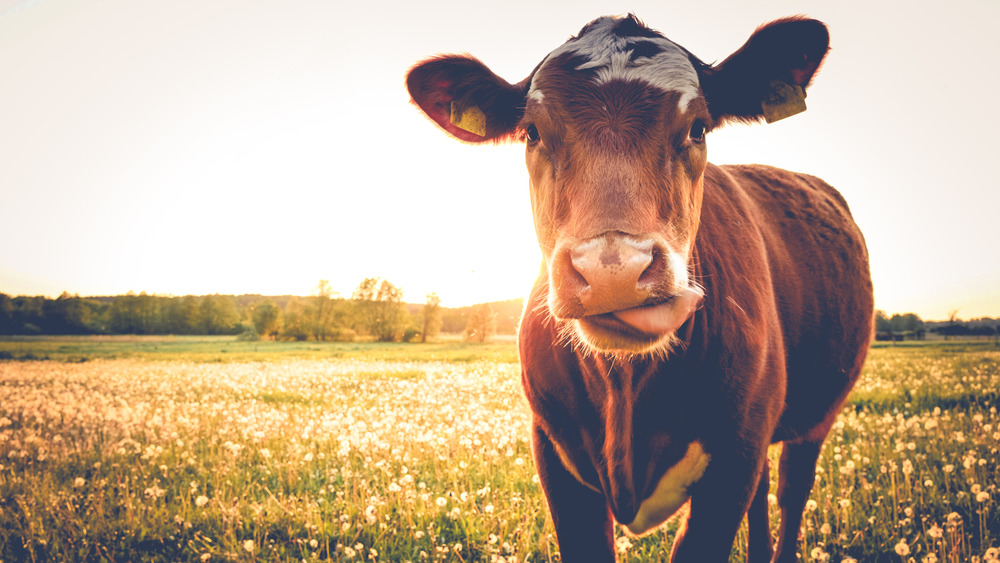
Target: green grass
229, 349
173, 450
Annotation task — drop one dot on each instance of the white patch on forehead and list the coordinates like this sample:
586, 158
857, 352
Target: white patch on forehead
536, 95
610, 57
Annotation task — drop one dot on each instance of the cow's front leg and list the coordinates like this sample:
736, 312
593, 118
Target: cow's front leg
581, 516
718, 503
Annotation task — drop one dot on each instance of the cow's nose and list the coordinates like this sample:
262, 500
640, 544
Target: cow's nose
612, 271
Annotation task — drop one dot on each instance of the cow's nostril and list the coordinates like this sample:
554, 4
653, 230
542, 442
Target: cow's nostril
572, 277
656, 268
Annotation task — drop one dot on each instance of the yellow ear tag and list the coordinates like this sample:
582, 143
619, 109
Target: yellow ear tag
471, 119
785, 100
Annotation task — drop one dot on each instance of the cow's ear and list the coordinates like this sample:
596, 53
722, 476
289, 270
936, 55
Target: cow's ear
767, 77
466, 99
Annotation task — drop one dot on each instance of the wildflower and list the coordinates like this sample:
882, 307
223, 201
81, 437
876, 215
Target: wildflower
929, 558
441, 501
248, 546
982, 496
313, 543
206, 556
201, 501
935, 531
818, 554
844, 503
902, 549
825, 530
79, 482
349, 552
992, 554
622, 544
488, 509
811, 505
265, 453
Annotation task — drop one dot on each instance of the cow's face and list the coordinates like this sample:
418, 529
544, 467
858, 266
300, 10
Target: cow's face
614, 123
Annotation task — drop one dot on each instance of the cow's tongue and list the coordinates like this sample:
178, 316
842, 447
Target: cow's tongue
665, 317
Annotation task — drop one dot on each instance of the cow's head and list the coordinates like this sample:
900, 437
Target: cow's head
615, 121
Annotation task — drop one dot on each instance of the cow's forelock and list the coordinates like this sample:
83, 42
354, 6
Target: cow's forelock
614, 48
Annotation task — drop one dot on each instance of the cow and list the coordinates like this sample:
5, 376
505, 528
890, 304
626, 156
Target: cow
687, 315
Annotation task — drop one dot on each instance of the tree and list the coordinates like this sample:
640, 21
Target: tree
219, 314
295, 322
482, 324
266, 318
432, 317
379, 309
324, 311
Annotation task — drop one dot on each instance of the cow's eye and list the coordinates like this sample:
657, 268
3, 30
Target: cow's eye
698, 129
531, 133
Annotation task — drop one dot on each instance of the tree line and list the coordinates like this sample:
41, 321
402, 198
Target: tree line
375, 311
909, 326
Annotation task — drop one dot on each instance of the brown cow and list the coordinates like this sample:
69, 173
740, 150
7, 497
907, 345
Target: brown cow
690, 314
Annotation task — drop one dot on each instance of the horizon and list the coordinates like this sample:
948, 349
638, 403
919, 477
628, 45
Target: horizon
242, 147
347, 296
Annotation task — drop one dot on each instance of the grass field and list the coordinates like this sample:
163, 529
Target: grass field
190, 449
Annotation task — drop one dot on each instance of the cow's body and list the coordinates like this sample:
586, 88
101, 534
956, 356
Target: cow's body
787, 308
689, 315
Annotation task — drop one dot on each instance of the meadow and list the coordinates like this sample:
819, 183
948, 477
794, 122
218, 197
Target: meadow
161, 449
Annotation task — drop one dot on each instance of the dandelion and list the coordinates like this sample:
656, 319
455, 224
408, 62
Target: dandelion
811, 505
441, 501
79, 482
206, 556
982, 496
313, 543
622, 544
825, 530
935, 531
929, 558
248, 546
201, 501
350, 552
902, 548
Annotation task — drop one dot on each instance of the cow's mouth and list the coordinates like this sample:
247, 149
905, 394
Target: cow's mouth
640, 329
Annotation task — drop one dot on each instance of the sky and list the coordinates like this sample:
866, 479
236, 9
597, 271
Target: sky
255, 146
